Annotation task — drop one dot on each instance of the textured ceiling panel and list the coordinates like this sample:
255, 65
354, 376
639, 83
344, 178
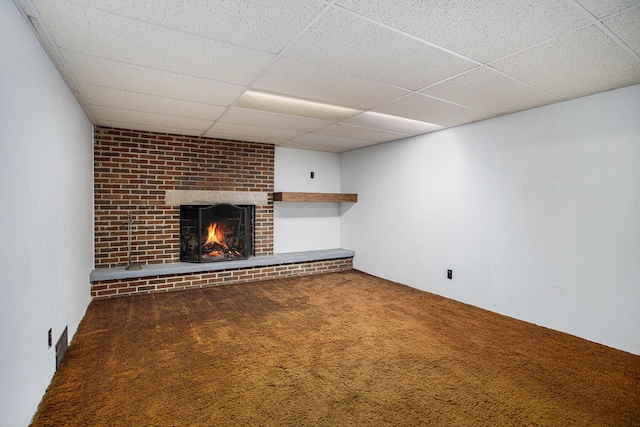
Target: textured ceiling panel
314, 147
146, 128
627, 27
345, 43
479, 29
334, 148
424, 108
116, 98
330, 143
218, 19
240, 116
603, 8
311, 82
255, 131
244, 138
119, 75
580, 63
487, 90
353, 132
114, 37
152, 121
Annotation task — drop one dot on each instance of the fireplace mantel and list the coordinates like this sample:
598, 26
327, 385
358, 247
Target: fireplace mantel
314, 197
204, 197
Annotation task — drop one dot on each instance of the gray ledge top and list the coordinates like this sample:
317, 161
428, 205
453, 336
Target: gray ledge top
119, 273
206, 197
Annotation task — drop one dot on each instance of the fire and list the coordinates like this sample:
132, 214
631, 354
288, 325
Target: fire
216, 234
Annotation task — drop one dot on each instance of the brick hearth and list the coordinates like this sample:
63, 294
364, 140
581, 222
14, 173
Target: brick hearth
174, 282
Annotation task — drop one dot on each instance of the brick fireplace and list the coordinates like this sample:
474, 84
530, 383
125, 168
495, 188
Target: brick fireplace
133, 170
133, 173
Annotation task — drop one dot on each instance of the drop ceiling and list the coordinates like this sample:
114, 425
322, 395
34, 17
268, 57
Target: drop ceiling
396, 68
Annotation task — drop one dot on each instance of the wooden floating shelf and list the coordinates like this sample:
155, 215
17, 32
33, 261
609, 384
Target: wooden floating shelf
314, 197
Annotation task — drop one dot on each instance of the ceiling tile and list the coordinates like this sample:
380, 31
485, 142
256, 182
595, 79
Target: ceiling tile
479, 29
325, 142
627, 27
342, 42
115, 37
108, 114
244, 138
316, 147
244, 22
149, 128
254, 131
119, 75
604, 8
116, 98
426, 109
485, 89
244, 117
317, 84
358, 133
580, 63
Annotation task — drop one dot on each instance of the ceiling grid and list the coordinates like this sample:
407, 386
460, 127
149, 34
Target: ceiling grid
371, 71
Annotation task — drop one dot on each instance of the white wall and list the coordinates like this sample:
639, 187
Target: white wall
537, 213
46, 196
306, 226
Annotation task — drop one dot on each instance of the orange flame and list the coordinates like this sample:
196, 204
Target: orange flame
216, 234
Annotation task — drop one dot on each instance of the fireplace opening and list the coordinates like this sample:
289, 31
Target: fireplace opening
220, 232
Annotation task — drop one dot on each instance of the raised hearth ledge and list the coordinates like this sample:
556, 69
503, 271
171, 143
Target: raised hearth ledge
119, 273
206, 197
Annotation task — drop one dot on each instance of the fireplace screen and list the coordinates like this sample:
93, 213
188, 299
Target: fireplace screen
220, 232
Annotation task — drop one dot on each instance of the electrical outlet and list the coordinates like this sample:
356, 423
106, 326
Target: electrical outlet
449, 274
50, 338
313, 174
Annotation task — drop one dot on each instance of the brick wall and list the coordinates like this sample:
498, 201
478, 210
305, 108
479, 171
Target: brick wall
174, 282
132, 171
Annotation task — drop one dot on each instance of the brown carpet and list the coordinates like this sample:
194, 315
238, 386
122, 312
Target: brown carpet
330, 350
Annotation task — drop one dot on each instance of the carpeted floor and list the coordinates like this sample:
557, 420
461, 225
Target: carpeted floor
330, 350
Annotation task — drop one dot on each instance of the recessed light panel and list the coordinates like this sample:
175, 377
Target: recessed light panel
389, 123
274, 103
